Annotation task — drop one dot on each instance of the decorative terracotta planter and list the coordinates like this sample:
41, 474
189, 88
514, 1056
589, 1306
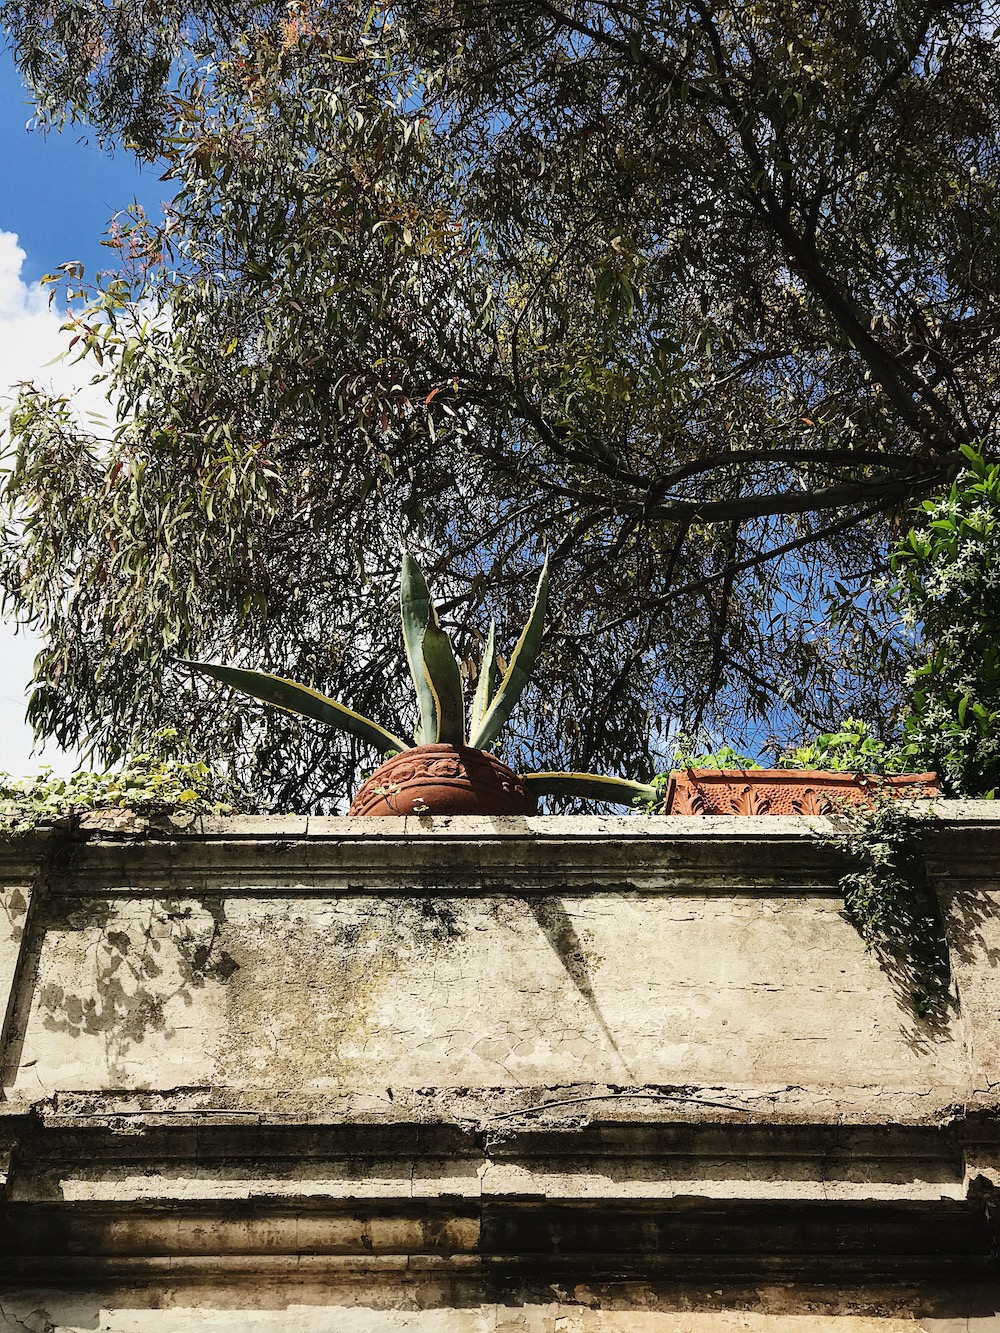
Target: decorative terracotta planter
443, 780
783, 791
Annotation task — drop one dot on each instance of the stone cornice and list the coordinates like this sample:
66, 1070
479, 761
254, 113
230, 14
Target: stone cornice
121, 853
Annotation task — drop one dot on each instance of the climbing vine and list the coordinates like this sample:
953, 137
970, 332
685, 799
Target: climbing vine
889, 901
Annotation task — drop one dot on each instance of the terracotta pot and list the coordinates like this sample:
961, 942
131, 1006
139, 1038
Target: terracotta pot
783, 791
443, 780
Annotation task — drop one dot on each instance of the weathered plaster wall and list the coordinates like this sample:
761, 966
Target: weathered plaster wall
367, 992
159, 964
488, 1074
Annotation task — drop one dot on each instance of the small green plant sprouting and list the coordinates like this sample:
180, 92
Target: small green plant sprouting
652, 803
437, 681
851, 749
687, 755
152, 781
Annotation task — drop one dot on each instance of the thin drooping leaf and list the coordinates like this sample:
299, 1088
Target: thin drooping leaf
416, 609
444, 679
518, 670
487, 680
591, 786
294, 698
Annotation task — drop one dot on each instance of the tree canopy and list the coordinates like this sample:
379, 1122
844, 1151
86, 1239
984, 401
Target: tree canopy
700, 298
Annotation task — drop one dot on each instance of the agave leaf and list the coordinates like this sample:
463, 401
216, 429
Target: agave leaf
416, 609
518, 669
445, 683
294, 698
487, 678
591, 786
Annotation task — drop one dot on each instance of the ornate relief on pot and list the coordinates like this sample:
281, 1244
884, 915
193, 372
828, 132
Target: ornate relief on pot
811, 802
443, 780
684, 799
749, 801
778, 791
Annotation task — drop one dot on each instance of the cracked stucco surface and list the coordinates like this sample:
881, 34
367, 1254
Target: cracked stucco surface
363, 993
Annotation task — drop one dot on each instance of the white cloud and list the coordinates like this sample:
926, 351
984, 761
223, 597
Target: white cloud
16, 741
30, 337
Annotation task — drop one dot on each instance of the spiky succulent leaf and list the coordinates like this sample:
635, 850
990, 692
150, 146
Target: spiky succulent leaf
445, 682
591, 786
487, 679
518, 670
295, 698
416, 609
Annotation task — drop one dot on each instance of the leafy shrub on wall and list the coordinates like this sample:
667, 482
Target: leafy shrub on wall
850, 749
159, 780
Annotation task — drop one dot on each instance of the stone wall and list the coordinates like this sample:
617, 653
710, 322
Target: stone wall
540, 1074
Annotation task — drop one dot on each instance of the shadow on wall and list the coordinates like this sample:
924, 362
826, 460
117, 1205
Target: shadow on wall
14, 906
139, 957
916, 949
913, 952
556, 925
138, 965
144, 956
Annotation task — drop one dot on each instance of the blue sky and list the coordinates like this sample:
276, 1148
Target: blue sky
61, 191
58, 194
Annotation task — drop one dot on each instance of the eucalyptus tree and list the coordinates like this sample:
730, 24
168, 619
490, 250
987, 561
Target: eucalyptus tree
700, 297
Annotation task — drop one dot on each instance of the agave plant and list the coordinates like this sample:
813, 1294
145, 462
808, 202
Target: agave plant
437, 680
